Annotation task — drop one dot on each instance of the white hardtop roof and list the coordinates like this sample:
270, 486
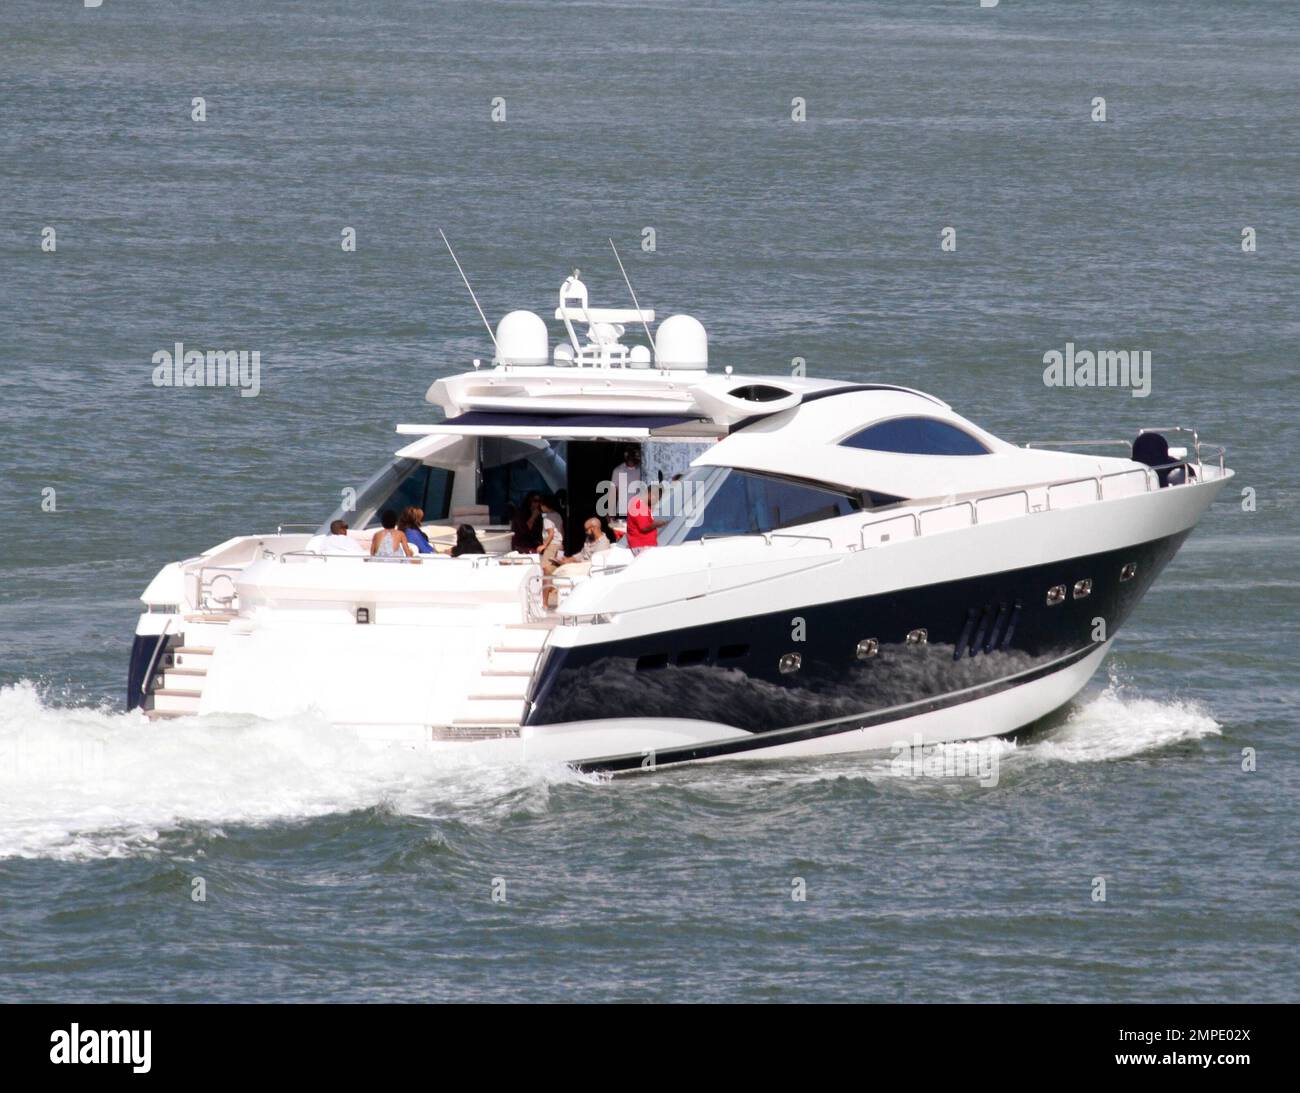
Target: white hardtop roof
723, 399
805, 443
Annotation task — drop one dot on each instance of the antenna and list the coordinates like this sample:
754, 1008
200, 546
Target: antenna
630, 289
487, 324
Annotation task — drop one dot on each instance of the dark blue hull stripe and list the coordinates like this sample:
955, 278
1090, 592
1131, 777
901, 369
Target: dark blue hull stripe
776, 737
831, 662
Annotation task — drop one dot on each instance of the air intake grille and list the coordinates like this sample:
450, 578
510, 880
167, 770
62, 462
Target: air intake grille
989, 627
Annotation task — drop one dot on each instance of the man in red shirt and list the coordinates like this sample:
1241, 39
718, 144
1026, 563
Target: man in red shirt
642, 527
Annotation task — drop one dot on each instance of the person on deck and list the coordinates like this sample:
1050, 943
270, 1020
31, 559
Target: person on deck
389, 544
466, 542
552, 534
627, 480
337, 542
526, 526
595, 542
410, 522
642, 527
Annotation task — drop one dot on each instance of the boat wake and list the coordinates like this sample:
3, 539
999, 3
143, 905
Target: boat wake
80, 783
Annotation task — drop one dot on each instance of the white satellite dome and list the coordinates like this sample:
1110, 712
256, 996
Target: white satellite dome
638, 357
522, 338
681, 343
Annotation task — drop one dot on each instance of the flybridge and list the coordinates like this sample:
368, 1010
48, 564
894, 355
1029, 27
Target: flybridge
592, 381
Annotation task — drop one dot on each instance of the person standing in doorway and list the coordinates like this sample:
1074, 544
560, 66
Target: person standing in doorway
627, 481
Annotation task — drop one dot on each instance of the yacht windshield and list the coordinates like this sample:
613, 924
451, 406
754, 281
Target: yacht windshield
399, 483
725, 501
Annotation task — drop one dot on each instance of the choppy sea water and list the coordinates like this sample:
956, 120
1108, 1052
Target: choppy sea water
334, 870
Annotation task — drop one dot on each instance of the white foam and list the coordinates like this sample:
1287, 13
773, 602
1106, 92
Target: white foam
1114, 725
1109, 725
79, 782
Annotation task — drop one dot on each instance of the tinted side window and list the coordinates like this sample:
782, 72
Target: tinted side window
786, 504
437, 497
410, 492
427, 488
916, 436
745, 503
729, 511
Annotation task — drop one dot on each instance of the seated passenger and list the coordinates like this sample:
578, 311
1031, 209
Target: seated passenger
466, 542
409, 523
389, 544
595, 542
338, 541
1153, 450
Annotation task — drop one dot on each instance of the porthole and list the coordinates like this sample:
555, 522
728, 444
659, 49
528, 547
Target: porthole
1055, 594
790, 662
1129, 571
1083, 588
868, 648
917, 637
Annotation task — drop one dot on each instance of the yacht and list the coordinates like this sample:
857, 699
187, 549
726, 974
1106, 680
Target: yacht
843, 566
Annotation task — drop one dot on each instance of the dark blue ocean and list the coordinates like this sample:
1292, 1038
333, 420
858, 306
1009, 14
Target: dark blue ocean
335, 871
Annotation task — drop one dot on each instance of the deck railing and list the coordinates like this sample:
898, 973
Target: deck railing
1150, 478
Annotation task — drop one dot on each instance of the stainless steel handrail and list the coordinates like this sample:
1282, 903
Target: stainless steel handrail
1196, 439
476, 560
1149, 477
768, 536
1094, 479
1075, 443
916, 525
1006, 493
153, 660
974, 514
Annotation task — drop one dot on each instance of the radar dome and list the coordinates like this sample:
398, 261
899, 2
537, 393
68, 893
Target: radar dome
681, 343
522, 338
